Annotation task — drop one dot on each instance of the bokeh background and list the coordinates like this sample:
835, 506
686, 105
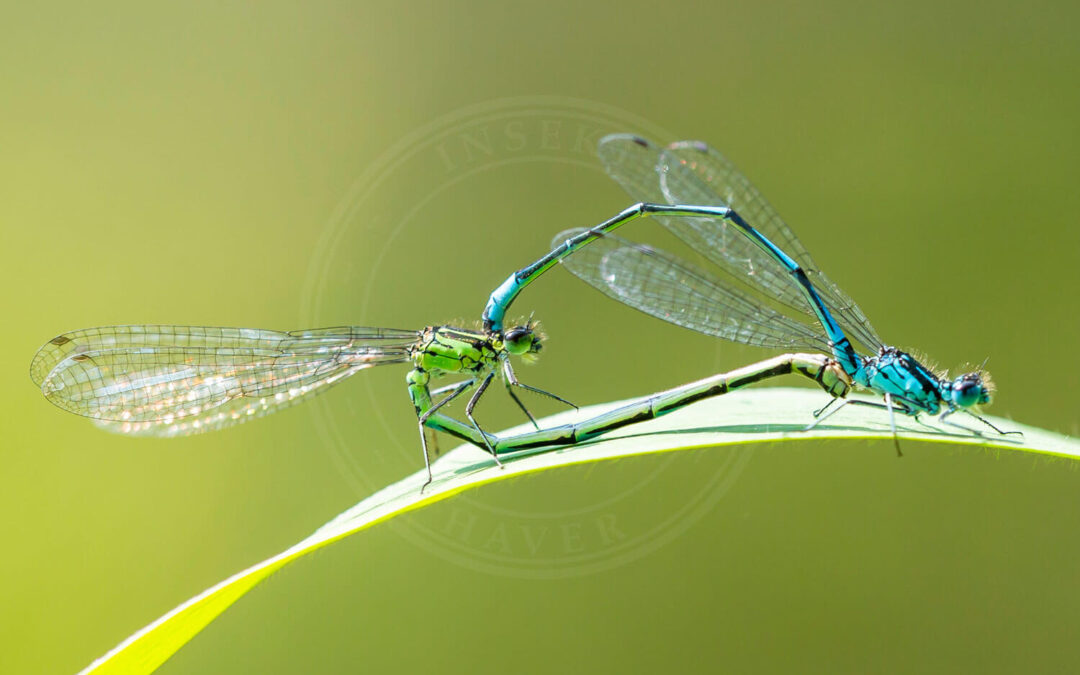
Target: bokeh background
184, 164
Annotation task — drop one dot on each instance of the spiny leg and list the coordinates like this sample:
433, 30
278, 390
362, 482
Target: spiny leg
445, 388
918, 418
520, 404
950, 411
511, 378
822, 417
431, 435
852, 401
432, 438
545, 393
469, 410
458, 389
943, 419
892, 424
822, 409
987, 423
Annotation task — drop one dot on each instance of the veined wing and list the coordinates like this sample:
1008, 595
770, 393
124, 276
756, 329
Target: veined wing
690, 172
167, 380
672, 289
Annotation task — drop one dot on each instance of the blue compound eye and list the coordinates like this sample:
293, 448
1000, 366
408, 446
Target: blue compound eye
968, 390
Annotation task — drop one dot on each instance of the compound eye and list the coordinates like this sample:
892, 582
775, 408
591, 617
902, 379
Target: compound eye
968, 390
518, 340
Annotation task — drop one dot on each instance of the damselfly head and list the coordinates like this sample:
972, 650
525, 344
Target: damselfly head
970, 390
525, 341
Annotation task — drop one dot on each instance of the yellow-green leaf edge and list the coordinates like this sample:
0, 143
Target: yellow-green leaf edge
754, 416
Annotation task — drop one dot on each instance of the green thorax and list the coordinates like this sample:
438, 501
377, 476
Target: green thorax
445, 349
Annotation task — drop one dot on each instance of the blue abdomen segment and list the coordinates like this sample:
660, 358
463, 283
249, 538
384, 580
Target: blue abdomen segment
841, 346
500, 299
503, 296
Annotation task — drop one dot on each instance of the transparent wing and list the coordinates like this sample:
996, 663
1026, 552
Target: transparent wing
168, 380
690, 172
672, 289
230, 413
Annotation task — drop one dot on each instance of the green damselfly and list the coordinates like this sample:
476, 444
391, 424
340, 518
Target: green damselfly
166, 381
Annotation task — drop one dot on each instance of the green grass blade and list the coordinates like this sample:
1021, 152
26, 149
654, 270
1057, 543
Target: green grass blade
754, 416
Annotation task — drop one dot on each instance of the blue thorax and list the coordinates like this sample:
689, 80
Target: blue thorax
899, 374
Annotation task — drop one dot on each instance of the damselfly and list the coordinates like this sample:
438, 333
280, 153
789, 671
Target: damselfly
701, 198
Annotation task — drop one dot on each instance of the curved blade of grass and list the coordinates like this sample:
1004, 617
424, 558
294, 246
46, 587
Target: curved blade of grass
754, 416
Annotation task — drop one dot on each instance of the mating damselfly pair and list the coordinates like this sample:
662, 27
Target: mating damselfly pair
174, 380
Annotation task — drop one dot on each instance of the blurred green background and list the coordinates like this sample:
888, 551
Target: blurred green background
193, 163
